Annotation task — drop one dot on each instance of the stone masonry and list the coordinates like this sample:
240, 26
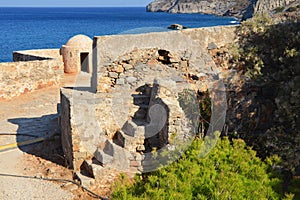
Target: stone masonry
132, 110
32, 69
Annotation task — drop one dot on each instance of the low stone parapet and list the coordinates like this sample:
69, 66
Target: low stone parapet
36, 69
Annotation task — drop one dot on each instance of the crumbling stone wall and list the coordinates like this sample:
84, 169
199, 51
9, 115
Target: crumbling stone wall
130, 93
132, 108
17, 78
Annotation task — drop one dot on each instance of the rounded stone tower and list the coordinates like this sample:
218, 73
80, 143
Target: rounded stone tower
77, 54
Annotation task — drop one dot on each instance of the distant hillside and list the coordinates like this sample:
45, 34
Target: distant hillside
242, 9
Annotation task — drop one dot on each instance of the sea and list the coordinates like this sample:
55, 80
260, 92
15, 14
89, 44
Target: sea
39, 28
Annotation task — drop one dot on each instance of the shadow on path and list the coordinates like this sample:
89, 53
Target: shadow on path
31, 129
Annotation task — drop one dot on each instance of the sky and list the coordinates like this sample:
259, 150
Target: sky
73, 3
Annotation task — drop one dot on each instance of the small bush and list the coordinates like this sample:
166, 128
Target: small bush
230, 171
279, 9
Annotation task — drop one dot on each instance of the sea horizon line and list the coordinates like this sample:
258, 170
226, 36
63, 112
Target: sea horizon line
73, 6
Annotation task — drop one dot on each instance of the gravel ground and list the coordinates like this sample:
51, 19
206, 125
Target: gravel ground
17, 188
32, 113
12, 188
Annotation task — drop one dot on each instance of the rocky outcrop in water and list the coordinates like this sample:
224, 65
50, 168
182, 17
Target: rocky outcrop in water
242, 9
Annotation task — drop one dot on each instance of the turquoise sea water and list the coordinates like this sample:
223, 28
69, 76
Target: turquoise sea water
36, 28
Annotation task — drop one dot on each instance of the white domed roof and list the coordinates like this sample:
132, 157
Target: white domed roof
80, 41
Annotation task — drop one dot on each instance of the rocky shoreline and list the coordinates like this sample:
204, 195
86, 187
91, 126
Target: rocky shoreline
241, 9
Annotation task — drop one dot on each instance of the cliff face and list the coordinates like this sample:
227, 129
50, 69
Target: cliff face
236, 8
242, 9
270, 5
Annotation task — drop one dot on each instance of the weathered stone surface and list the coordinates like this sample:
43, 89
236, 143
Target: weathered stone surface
92, 170
113, 75
132, 129
120, 81
85, 181
204, 36
117, 68
270, 5
239, 8
104, 84
212, 46
217, 7
67, 134
34, 55
127, 66
103, 157
77, 54
17, 78
131, 80
135, 164
158, 115
136, 110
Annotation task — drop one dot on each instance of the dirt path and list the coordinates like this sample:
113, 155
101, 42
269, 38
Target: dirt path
25, 118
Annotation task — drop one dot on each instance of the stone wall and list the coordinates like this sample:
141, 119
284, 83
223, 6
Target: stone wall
110, 47
133, 105
38, 54
17, 78
212, 37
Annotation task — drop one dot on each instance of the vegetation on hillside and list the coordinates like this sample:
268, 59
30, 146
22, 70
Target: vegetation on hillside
230, 171
268, 54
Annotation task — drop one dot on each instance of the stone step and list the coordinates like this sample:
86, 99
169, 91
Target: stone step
112, 155
134, 128
145, 90
141, 96
141, 99
139, 110
127, 142
103, 157
140, 114
140, 122
141, 106
92, 169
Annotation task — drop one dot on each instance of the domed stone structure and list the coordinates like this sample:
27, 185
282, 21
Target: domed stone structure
77, 54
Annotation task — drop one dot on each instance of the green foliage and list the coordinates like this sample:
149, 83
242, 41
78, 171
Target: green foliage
264, 45
295, 189
197, 108
279, 9
269, 53
205, 112
230, 171
189, 104
248, 52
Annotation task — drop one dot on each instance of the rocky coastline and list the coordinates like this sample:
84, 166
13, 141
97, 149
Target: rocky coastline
241, 9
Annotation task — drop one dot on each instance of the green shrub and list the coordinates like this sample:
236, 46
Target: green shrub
279, 9
230, 171
270, 55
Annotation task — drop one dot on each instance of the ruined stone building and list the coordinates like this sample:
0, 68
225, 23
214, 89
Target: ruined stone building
138, 109
134, 106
